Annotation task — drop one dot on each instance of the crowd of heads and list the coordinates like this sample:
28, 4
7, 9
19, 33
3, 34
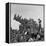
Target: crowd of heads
28, 31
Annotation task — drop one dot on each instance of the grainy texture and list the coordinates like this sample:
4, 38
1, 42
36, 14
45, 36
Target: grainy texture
26, 23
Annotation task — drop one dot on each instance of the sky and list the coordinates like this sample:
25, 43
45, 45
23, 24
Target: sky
26, 11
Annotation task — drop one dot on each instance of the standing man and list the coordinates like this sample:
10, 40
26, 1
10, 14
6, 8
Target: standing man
39, 25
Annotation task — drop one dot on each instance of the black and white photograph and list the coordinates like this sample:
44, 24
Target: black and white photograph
26, 22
